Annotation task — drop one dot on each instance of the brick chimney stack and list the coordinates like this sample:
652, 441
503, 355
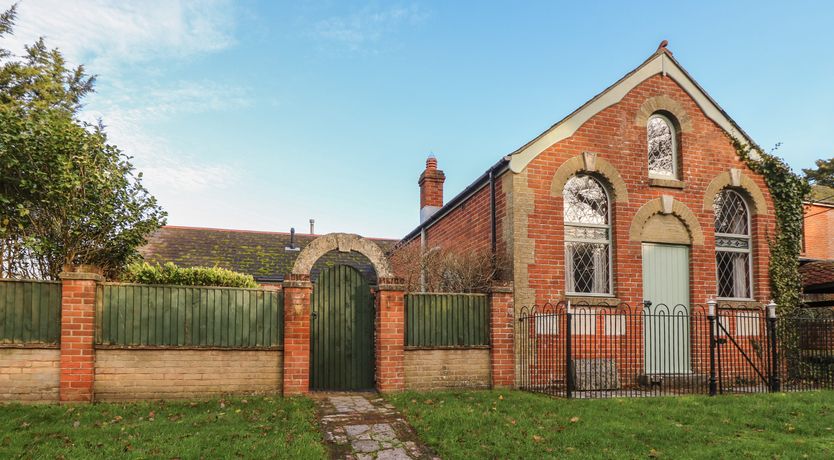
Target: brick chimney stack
431, 189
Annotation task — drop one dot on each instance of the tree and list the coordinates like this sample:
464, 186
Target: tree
823, 174
67, 196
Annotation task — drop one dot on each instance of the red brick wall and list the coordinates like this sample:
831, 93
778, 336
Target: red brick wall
297, 293
390, 339
78, 298
705, 152
467, 227
819, 232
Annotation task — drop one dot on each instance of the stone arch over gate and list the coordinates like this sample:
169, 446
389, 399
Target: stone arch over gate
389, 322
342, 242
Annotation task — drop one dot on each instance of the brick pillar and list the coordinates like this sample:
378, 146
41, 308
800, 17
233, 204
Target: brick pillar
501, 356
297, 293
78, 330
390, 335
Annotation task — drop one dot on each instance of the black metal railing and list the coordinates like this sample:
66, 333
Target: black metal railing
605, 350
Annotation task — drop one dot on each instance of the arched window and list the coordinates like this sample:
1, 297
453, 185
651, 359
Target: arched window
732, 245
587, 236
662, 142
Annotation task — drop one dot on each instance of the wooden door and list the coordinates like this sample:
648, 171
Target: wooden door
666, 321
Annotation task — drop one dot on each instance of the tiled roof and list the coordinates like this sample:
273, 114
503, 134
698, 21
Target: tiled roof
821, 194
817, 275
263, 255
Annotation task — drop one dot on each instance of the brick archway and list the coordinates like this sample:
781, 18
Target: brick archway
389, 323
343, 242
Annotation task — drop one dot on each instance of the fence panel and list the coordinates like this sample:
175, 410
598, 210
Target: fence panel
187, 316
806, 349
446, 320
30, 312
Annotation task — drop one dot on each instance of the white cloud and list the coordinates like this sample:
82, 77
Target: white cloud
367, 26
118, 39
105, 34
166, 169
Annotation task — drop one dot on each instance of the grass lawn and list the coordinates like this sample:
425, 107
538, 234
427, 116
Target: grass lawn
514, 424
255, 427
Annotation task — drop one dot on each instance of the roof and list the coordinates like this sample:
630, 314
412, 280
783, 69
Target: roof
821, 194
661, 62
817, 276
264, 255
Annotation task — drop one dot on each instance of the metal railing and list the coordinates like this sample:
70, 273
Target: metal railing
591, 351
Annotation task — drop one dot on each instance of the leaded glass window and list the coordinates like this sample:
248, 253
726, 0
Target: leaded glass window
732, 245
587, 236
662, 144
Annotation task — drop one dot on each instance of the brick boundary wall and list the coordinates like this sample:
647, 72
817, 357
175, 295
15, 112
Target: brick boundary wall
79, 371
446, 368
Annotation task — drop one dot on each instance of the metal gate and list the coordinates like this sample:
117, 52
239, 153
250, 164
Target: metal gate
744, 351
341, 331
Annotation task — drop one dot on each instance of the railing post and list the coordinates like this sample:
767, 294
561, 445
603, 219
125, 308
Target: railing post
568, 365
713, 387
775, 383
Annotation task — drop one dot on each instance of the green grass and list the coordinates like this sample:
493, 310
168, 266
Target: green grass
514, 424
256, 427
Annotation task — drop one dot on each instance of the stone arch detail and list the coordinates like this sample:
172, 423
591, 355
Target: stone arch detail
589, 163
671, 206
736, 179
664, 104
343, 242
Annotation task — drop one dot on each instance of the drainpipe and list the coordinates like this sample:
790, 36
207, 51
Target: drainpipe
423, 244
492, 217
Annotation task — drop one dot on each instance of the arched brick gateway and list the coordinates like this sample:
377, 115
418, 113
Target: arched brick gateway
390, 314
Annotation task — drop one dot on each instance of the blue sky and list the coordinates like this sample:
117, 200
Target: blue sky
262, 115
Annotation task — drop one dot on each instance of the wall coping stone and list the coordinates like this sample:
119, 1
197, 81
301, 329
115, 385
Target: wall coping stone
298, 284
391, 287
65, 275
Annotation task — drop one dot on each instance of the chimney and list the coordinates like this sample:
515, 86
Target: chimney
312, 226
431, 189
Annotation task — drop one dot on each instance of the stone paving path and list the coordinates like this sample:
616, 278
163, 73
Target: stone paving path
365, 427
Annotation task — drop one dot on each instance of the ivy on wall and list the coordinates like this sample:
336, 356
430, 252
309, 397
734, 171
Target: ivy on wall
788, 190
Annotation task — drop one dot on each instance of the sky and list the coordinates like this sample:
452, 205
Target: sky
263, 115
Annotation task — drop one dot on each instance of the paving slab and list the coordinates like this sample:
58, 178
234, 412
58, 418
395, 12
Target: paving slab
362, 426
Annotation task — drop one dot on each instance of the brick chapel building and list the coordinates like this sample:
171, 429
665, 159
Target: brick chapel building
637, 195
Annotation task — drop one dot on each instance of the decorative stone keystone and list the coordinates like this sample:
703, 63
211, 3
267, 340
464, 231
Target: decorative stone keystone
667, 203
590, 159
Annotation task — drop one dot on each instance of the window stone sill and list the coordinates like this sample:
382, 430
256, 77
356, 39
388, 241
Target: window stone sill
667, 183
735, 304
592, 301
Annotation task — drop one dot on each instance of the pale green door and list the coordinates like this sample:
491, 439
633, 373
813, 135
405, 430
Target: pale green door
666, 322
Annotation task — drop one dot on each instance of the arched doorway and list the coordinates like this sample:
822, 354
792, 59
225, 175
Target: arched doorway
341, 331
342, 325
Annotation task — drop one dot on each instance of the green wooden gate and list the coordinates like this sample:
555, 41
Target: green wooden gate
342, 331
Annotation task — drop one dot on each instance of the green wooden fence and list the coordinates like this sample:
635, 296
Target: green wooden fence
30, 312
186, 316
446, 320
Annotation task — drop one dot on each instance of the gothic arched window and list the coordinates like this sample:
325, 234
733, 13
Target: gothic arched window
587, 236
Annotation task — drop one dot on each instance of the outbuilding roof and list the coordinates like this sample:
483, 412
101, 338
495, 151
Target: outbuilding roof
267, 256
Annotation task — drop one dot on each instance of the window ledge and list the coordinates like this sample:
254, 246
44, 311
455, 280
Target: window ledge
738, 304
668, 183
593, 301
